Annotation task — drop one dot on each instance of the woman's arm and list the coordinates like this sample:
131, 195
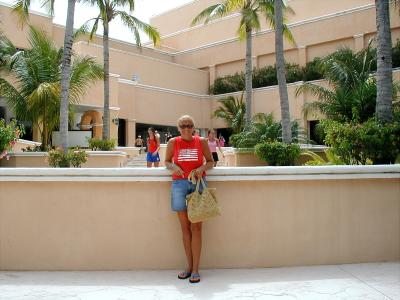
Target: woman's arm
207, 155
169, 153
157, 144
220, 149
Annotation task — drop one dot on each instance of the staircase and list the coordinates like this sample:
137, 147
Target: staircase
138, 161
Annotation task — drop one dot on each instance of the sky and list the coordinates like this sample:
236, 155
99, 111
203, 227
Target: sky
144, 9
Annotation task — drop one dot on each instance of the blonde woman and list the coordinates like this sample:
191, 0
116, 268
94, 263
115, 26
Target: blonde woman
184, 154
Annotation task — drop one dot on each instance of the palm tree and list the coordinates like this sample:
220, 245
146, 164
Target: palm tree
353, 89
35, 94
249, 11
21, 7
233, 111
384, 62
109, 10
281, 74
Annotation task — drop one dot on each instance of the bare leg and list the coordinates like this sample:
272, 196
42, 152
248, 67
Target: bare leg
186, 237
156, 164
149, 164
196, 245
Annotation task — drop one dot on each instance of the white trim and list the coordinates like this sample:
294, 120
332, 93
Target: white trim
144, 57
161, 89
174, 8
266, 31
217, 174
120, 41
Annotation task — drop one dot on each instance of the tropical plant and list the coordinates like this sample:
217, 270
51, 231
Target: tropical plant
384, 74
318, 160
59, 159
232, 110
35, 95
250, 10
278, 153
352, 92
108, 11
22, 8
370, 142
103, 145
262, 128
9, 134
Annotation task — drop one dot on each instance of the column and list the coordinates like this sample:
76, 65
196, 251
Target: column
213, 74
254, 61
358, 42
302, 55
130, 132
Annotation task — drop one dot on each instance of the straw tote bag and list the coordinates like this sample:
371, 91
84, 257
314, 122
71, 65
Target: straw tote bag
204, 206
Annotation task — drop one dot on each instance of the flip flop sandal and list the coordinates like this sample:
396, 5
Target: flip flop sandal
195, 278
184, 275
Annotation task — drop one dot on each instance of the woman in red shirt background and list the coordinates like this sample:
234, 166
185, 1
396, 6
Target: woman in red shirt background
153, 146
184, 154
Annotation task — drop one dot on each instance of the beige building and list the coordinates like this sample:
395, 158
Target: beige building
156, 86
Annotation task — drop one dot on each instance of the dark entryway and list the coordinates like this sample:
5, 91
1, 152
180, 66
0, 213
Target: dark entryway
121, 132
141, 129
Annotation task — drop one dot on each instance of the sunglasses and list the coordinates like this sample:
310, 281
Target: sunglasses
188, 126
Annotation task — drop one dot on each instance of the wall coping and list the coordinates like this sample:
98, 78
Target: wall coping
217, 174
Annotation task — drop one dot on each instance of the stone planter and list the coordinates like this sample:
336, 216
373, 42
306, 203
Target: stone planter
130, 151
247, 157
96, 159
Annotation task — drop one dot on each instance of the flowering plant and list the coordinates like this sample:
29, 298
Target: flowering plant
9, 134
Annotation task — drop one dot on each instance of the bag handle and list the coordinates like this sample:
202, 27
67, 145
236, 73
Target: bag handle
193, 180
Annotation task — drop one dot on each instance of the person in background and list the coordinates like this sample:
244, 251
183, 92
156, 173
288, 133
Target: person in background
184, 154
139, 143
153, 146
221, 141
213, 143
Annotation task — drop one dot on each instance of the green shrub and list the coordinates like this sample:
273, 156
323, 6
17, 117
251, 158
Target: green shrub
265, 76
74, 157
396, 55
9, 134
312, 70
101, 145
278, 153
293, 73
262, 128
371, 141
36, 149
228, 84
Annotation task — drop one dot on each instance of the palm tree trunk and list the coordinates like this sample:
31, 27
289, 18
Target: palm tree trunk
248, 76
384, 62
65, 75
281, 70
106, 114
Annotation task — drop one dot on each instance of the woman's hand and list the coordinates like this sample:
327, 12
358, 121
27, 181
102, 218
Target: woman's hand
198, 172
176, 170
154, 153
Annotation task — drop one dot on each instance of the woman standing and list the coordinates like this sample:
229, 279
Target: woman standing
153, 146
213, 143
184, 154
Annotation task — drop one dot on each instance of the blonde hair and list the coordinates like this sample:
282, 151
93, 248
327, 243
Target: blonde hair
186, 118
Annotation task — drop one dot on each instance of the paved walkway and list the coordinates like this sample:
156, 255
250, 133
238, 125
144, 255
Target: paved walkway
356, 281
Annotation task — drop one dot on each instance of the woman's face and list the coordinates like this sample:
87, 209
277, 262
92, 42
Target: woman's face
211, 135
186, 128
151, 134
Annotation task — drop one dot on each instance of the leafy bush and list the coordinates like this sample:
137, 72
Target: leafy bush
101, 145
371, 141
265, 76
35, 149
74, 157
396, 55
293, 73
312, 70
228, 84
317, 160
262, 128
8, 136
277, 153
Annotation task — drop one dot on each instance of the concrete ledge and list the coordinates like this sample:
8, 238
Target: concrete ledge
216, 174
